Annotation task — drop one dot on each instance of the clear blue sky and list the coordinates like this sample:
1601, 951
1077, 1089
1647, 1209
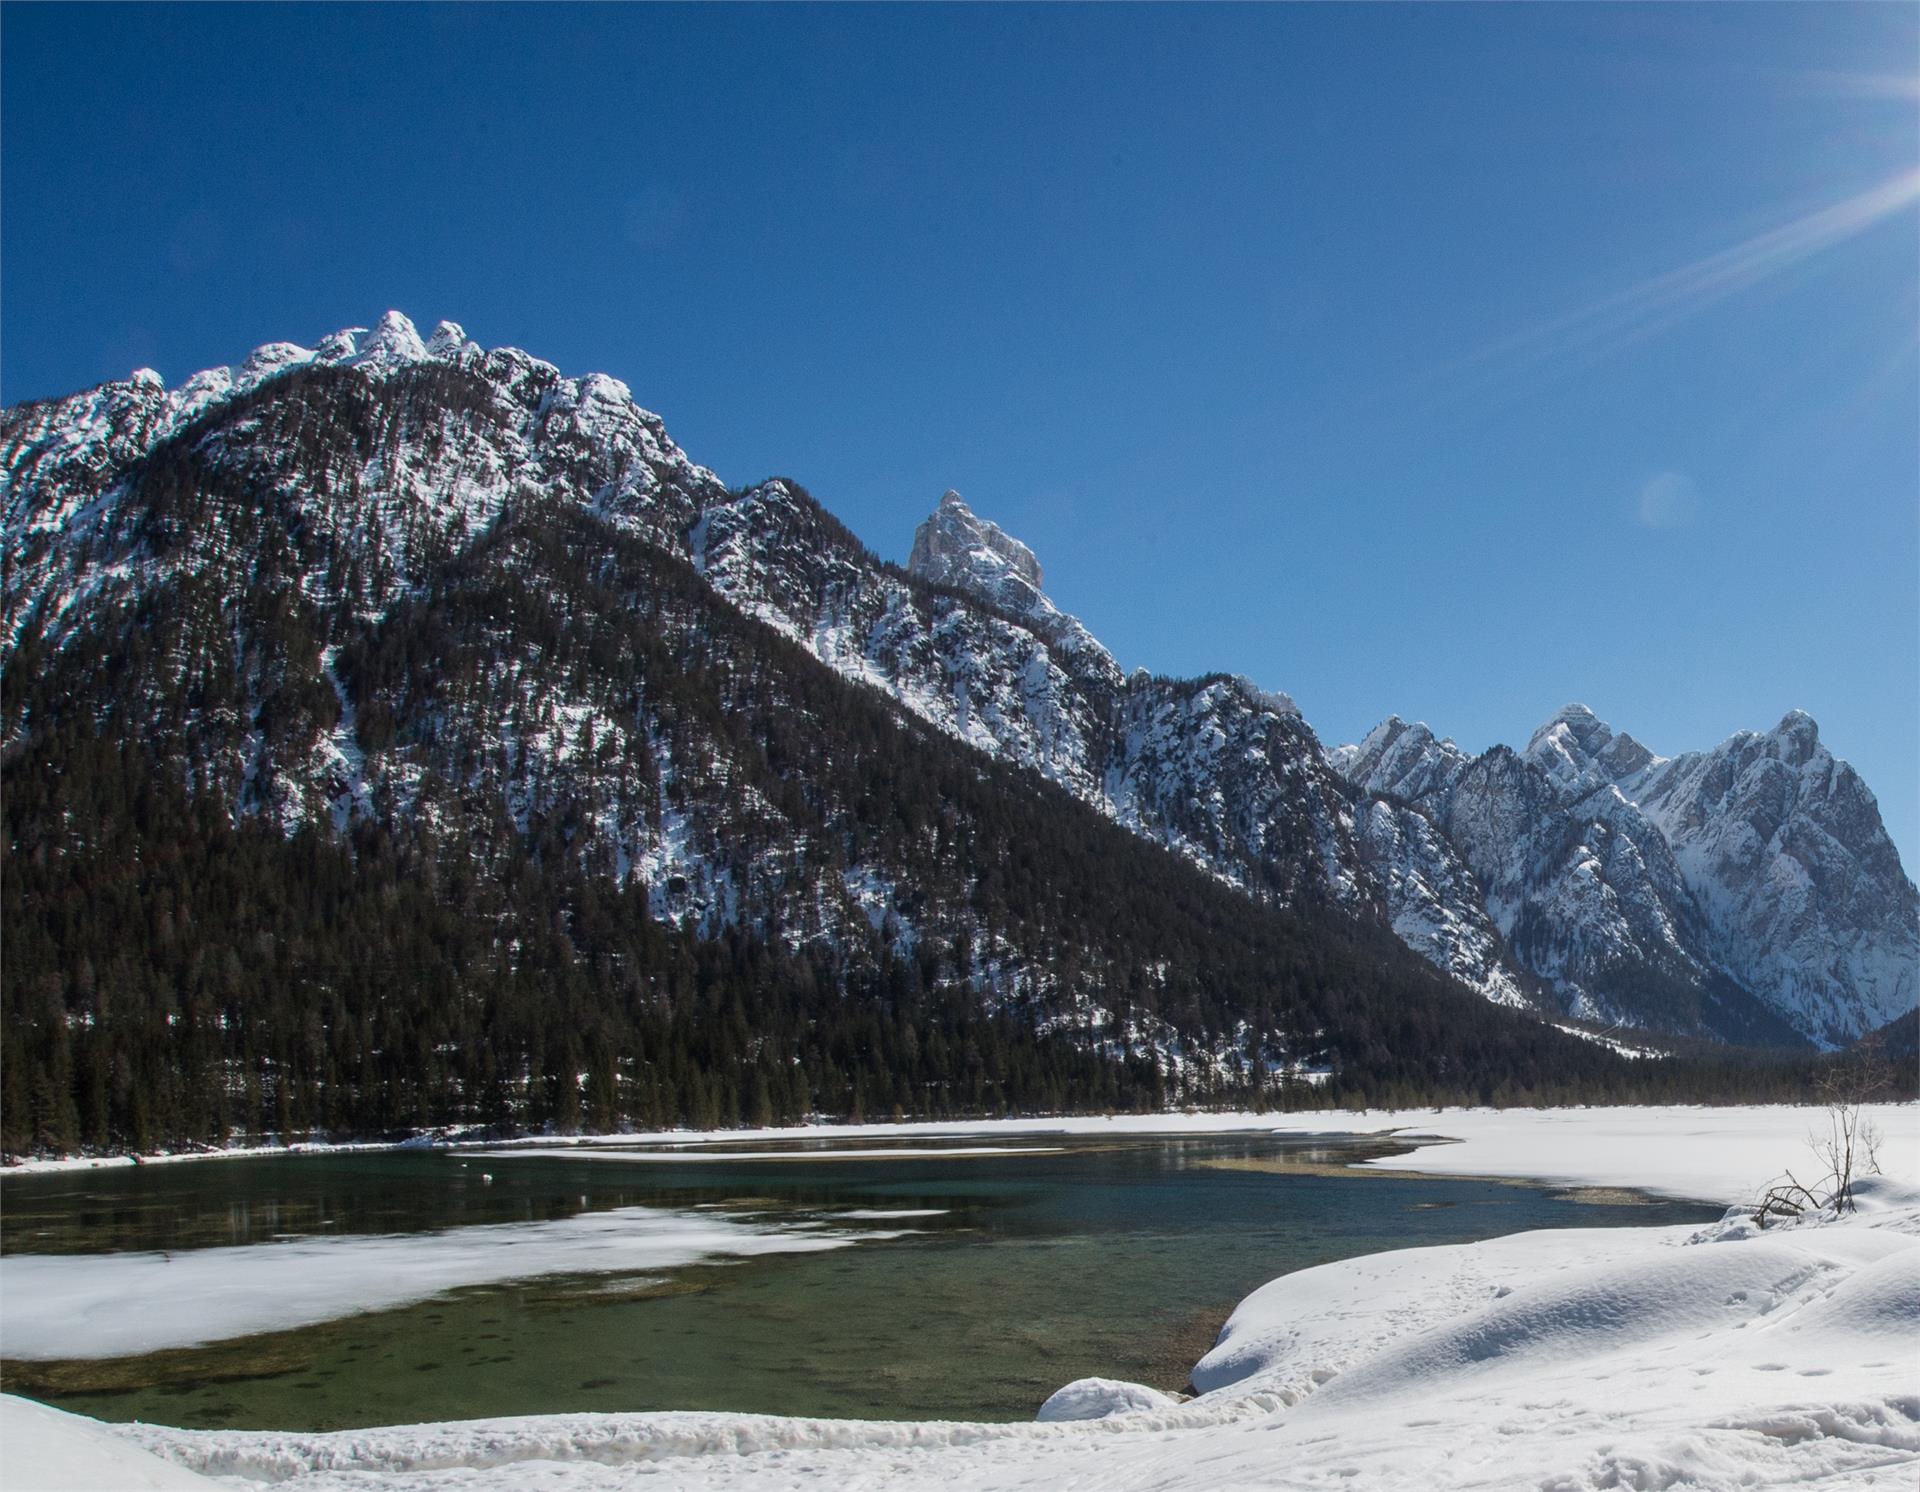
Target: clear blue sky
1453, 362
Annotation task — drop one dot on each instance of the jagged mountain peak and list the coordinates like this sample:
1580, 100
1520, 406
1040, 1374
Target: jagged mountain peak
518, 427
1277, 701
1581, 753
1390, 730
1798, 735
1763, 859
1406, 760
958, 548
955, 546
449, 338
1794, 742
1787, 852
1576, 721
395, 338
391, 342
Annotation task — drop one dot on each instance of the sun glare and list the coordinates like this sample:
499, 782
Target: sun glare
1654, 304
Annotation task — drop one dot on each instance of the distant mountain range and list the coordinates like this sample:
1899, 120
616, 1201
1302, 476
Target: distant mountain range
445, 593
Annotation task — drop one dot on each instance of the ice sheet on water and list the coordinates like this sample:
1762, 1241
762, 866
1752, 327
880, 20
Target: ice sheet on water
112, 1305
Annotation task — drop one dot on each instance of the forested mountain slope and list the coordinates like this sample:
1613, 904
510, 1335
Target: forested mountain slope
400, 732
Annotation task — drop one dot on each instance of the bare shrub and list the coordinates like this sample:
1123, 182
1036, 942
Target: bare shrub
1846, 1146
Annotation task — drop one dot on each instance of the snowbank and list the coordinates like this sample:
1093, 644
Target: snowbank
43, 1165
1406, 1316
45, 1450
1098, 1398
1719, 1155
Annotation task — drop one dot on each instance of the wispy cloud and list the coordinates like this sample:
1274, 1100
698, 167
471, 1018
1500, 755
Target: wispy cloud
1861, 85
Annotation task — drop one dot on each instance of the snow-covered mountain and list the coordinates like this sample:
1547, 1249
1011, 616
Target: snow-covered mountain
676, 801
1801, 892
337, 486
1642, 889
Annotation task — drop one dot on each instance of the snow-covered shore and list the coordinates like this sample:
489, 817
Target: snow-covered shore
47, 1165
1686, 1151
1725, 1356
1723, 1155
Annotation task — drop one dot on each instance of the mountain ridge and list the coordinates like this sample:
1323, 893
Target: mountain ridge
1544, 885
1649, 810
381, 751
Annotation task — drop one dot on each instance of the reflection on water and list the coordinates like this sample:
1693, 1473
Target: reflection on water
1118, 1258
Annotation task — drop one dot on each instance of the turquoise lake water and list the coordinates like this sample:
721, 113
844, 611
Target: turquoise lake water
1116, 1258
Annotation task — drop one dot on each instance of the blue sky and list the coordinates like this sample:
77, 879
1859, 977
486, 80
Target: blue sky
1452, 362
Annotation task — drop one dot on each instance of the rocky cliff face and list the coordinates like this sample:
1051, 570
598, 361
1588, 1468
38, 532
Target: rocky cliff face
954, 547
262, 527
